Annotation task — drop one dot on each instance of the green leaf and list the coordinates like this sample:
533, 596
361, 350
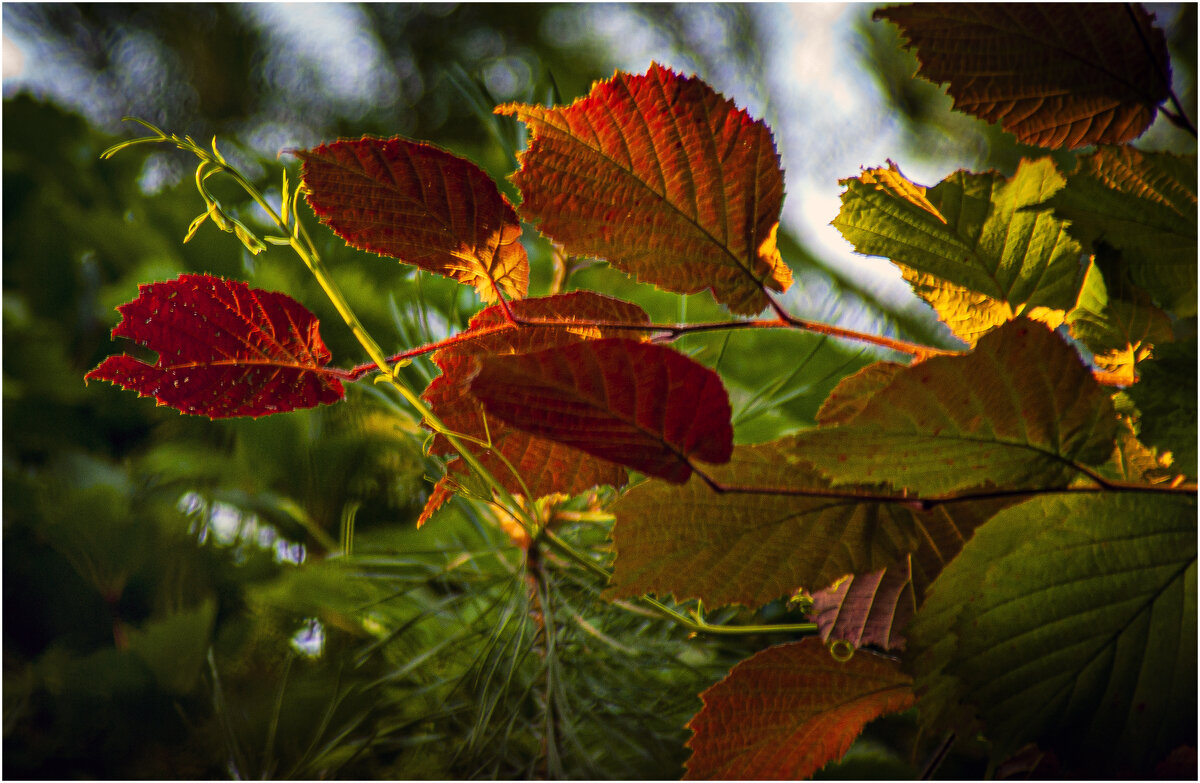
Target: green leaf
1020, 411
1119, 330
751, 548
790, 710
1069, 620
693, 542
174, 647
1142, 204
968, 246
1166, 398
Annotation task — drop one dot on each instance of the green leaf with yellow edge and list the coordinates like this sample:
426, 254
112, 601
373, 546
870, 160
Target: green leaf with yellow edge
968, 246
1069, 620
1120, 331
789, 710
1142, 204
1021, 411
1166, 401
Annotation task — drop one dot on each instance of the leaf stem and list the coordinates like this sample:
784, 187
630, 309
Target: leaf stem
696, 625
1179, 116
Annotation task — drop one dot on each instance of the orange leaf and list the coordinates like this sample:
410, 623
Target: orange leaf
1057, 75
790, 710
544, 465
641, 405
422, 205
665, 179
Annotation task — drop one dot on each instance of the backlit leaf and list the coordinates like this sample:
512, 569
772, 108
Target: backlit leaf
546, 466
866, 609
751, 548
422, 205
665, 179
1070, 620
1020, 411
1120, 331
224, 349
1058, 75
851, 394
637, 404
1143, 205
789, 710
968, 246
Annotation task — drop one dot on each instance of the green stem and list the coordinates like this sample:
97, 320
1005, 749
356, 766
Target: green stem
695, 625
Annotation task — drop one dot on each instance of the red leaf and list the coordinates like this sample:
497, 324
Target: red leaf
545, 466
224, 349
790, 710
867, 608
641, 405
422, 205
665, 179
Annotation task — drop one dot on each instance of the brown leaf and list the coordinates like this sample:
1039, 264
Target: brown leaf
1059, 75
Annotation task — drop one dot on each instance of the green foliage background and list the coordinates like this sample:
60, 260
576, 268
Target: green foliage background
153, 605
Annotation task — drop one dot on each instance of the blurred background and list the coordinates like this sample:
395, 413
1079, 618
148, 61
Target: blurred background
249, 598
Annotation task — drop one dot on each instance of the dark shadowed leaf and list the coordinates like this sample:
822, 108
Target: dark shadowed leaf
224, 349
664, 178
1060, 75
637, 404
1070, 620
422, 205
790, 710
867, 608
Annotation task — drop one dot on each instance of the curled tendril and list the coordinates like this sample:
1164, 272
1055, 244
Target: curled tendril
841, 650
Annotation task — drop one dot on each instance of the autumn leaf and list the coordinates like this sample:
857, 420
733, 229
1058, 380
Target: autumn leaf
789, 710
1142, 205
637, 404
867, 608
1069, 620
224, 349
1021, 411
1055, 75
853, 392
422, 205
544, 465
970, 246
665, 179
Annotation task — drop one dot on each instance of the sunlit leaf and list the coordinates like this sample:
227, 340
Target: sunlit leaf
644, 406
1070, 620
422, 205
665, 179
545, 466
224, 349
789, 710
1143, 205
1120, 331
1057, 75
851, 395
968, 245
1020, 411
